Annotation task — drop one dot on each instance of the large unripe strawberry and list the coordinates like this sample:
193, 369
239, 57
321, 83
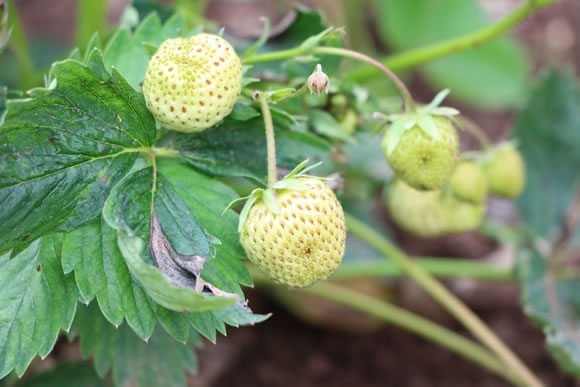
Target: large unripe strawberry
505, 171
192, 83
432, 213
301, 244
421, 159
468, 182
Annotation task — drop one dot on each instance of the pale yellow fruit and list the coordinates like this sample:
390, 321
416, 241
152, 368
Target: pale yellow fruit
192, 83
301, 245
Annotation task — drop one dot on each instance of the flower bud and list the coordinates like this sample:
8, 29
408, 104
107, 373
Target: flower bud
318, 81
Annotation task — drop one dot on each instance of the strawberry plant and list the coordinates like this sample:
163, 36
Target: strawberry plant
152, 174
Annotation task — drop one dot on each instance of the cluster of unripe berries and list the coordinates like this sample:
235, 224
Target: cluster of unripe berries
294, 230
437, 193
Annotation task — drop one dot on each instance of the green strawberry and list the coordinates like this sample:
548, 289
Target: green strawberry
505, 171
419, 159
303, 240
468, 182
431, 213
192, 84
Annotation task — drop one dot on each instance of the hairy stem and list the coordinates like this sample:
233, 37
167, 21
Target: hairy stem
270, 142
437, 267
428, 53
424, 54
409, 102
476, 131
404, 319
445, 298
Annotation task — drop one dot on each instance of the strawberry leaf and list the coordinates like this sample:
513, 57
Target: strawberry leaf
63, 149
548, 132
161, 361
237, 148
37, 301
552, 301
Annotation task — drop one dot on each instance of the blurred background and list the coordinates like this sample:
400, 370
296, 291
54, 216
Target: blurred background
308, 342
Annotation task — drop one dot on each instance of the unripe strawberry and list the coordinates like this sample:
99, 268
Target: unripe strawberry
432, 213
468, 182
421, 161
505, 171
192, 83
304, 242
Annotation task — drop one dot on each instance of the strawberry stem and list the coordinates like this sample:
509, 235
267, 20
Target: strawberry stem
270, 142
476, 131
344, 52
447, 299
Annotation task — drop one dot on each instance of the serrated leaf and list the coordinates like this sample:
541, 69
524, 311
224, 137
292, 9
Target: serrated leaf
159, 287
142, 211
63, 150
161, 361
548, 132
552, 300
239, 149
36, 301
66, 375
126, 52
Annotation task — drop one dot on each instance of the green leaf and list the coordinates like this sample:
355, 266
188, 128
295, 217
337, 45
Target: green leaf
66, 375
100, 270
324, 123
243, 112
161, 361
126, 51
548, 132
492, 75
63, 149
159, 287
36, 301
305, 25
156, 214
239, 149
552, 300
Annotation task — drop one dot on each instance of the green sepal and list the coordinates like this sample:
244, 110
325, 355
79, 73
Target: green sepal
423, 118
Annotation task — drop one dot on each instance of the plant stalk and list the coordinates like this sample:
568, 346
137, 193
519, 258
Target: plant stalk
438, 267
445, 298
409, 102
471, 40
270, 142
476, 131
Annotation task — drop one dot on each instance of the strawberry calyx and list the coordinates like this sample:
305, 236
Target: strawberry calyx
423, 118
293, 181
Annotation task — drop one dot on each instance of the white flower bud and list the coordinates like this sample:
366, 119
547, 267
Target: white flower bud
318, 81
